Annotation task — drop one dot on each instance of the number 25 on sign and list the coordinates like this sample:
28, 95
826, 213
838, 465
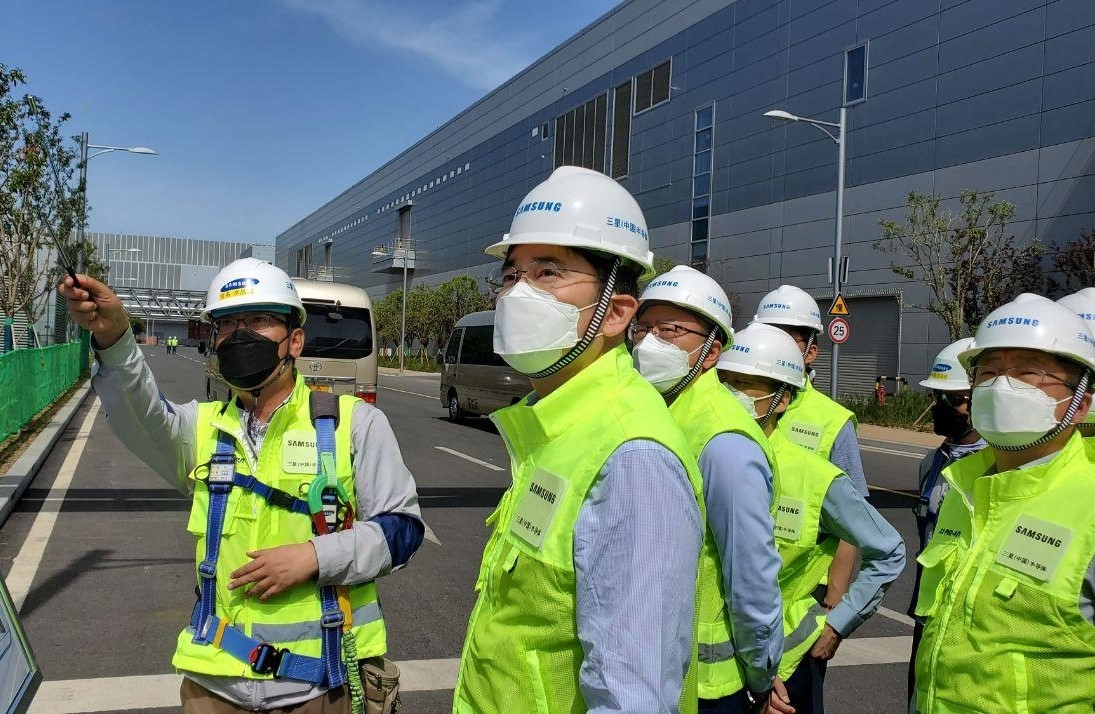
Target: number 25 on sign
839, 330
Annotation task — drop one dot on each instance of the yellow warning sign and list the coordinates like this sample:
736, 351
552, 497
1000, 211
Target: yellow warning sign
839, 306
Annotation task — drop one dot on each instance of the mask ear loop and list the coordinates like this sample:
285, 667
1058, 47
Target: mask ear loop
776, 399
591, 331
1066, 420
687, 379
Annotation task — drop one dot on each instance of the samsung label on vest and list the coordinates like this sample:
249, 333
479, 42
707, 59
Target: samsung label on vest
300, 443
542, 492
1040, 537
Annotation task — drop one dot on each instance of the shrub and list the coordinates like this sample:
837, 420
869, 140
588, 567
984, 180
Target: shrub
904, 410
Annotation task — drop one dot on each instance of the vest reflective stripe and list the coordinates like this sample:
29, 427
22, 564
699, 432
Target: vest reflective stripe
705, 409
522, 652
1001, 588
813, 420
297, 631
803, 480
251, 523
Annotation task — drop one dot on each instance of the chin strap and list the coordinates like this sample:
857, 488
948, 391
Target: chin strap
591, 331
1066, 420
687, 379
776, 399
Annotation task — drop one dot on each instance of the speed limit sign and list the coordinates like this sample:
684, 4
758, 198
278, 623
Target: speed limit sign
839, 330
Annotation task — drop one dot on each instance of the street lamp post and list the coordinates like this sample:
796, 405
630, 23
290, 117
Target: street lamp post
403, 251
841, 141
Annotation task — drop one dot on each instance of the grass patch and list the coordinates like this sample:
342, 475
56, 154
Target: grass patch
901, 410
410, 362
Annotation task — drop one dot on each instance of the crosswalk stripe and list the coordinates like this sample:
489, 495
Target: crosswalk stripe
118, 694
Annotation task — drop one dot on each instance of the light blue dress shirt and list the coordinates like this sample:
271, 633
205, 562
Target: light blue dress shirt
845, 456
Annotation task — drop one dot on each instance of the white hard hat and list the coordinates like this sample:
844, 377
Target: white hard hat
1083, 304
788, 305
765, 351
1033, 322
251, 284
581, 208
948, 374
690, 289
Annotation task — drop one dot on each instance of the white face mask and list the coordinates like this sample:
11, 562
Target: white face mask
1006, 415
661, 363
533, 328
750, 403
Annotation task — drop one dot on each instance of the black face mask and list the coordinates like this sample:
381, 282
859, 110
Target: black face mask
247, 359
948, 422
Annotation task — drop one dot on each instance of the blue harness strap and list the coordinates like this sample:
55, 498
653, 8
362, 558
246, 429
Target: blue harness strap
207, 628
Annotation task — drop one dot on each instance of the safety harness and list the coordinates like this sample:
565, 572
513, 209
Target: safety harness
331, 509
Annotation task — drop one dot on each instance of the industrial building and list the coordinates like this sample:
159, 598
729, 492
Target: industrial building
669, 98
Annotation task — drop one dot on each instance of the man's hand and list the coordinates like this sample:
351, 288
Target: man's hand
274, 570
94, 307
778, 701
825, 646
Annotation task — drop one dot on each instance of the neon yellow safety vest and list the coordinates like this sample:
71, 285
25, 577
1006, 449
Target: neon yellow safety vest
813, 420
803, 480
522, 652
704, 410
1001, 589
287, 461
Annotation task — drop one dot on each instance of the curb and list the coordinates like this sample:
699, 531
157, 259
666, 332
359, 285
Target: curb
26, 467
394, 372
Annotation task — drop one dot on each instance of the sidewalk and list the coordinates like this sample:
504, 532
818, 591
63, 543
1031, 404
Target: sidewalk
394, 372
26, 467
899, 436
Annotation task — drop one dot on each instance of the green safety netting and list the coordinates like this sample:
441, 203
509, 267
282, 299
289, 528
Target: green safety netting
31, 379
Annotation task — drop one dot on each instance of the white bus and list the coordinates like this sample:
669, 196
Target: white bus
340, 341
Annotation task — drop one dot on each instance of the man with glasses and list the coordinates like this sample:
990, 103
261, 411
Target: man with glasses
1008, 589
587, 586
299, 503
683, 325
950, 387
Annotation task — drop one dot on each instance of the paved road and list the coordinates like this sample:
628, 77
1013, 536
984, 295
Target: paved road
98, 554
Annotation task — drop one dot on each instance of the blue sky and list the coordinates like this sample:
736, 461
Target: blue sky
261, 110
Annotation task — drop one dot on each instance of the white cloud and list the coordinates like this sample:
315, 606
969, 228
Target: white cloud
461, 37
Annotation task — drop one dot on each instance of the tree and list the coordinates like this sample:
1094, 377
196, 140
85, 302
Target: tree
386, 316
1075, 263
39, 208
455, 298
966, 259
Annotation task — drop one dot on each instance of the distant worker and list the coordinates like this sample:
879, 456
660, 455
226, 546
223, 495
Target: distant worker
813, 420
586, 593
950, 388
816, 506
301, 501
683, 325
1008, 589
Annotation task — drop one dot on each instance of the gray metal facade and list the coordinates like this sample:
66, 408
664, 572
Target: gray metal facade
982, 94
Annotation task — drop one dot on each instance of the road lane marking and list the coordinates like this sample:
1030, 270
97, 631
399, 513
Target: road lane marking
417, 394
472, 459
894, 452
77, 696
25, 565
895, 615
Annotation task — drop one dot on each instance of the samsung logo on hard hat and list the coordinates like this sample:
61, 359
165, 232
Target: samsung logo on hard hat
1024, 321
554, 206
239, 283
775, 306
941, 367
663, 284
1086, 338
739, 348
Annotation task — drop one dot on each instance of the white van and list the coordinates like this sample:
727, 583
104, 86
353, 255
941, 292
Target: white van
475, 381
340, 341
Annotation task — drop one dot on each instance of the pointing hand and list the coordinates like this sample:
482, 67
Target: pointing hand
94, 307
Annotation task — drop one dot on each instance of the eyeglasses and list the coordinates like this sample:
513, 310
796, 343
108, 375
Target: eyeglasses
1020, 377
665, 330
257, 321
955, 399
543, 274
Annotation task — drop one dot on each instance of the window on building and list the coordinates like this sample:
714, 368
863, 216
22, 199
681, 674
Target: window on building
652, 87
855, 75
621, 129
544, 130
405, 223
702, 151
580, 135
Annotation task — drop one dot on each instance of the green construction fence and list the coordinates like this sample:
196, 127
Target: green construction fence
30, 380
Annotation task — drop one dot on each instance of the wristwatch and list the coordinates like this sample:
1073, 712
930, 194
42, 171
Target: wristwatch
757, 701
